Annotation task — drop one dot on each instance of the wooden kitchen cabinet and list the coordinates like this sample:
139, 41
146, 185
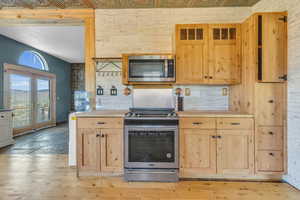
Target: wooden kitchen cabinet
224, 54
191, 53
225, 148
235, 152
99, 150
208, 54
272, 46
270, 104
197, 152
112, 150
88, 154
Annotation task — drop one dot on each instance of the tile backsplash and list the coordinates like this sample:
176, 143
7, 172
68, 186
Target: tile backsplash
201, 97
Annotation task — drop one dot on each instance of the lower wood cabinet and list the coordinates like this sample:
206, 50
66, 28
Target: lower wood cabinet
215, 151
197, 151
99, 150
235, 152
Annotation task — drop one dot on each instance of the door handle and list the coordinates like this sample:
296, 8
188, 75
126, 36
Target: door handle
197, 123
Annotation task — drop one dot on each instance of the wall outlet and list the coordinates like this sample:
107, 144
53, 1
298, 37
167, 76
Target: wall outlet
225, 91
187, 92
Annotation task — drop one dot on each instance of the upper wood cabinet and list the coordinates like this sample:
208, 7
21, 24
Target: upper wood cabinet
208, 54
224, 53
191, 54
272, 47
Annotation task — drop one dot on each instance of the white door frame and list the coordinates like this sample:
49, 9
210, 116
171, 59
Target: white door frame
34, 74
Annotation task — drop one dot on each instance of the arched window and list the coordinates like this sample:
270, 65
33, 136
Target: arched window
34, 60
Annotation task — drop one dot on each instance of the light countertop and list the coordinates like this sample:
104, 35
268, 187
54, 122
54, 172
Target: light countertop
194, 113
102, 113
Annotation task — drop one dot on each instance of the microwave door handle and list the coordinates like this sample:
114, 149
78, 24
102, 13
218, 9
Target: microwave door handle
166, 68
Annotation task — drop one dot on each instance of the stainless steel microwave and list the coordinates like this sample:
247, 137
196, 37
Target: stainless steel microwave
151, 68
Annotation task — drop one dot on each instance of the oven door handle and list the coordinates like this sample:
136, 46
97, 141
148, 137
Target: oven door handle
151, 128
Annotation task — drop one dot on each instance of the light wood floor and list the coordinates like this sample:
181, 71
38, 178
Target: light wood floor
44, 177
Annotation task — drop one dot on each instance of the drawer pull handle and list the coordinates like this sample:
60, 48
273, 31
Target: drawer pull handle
271, 154
235, 124
271, 133
271, 101
101, 123
103, 135
219, 136
98, 135
197, 123
214, 137
2, 116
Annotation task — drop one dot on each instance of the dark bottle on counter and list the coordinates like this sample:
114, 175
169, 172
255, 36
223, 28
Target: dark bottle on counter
179, 103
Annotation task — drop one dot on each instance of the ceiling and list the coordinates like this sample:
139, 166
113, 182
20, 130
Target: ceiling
64, 42
123, 3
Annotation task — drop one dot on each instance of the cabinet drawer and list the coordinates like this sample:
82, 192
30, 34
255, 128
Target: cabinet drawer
270, 161
270, 138
100, 123
200, 123
235, 123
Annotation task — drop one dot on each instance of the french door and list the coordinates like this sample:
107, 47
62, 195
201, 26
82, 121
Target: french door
31, 95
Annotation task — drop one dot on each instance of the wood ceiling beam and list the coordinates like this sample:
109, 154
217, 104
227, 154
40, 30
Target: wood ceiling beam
89, 3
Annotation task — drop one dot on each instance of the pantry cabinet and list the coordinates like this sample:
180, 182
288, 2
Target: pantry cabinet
272, 46
99, 146
216, 146
208, 54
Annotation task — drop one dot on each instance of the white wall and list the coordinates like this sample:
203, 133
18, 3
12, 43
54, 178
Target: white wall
293, 8
150, 30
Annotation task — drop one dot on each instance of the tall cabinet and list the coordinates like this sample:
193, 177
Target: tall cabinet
263, 89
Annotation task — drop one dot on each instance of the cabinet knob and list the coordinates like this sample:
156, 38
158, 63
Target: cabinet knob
100, 123
103, 135
271, 101
210, 77
2, 116
219, 136
98, 135
206, 77
271, 133
214, 137
271, 154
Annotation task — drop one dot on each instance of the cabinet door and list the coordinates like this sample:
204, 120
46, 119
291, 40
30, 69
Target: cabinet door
88, 145
111, 150
191, 54
224, 54
197, 152
272, 31
270, 104
235, 152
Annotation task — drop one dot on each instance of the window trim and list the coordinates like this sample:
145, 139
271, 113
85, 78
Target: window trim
45, 66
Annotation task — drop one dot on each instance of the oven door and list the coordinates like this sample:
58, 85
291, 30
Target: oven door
151, 147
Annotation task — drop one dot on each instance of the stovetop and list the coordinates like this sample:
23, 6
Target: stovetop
157, 113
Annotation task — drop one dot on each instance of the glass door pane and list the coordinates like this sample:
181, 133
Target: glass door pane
43, 100
20, 100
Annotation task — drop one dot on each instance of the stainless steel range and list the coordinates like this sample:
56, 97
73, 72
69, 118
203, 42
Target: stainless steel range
151, 144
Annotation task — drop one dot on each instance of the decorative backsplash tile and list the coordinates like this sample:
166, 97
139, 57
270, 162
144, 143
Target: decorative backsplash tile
201, 97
